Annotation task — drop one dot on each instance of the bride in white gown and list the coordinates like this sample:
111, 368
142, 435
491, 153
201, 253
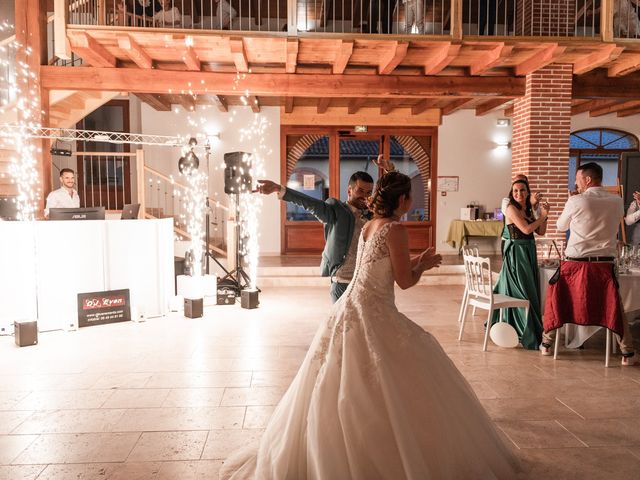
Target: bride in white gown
376, 397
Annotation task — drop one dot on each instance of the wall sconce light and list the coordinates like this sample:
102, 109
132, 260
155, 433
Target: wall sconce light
503, 145
503, 122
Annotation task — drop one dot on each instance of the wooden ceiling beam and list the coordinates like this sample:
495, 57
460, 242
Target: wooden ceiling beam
629, 112
625, 64
455, 105
288, 104
239, 55
156, 101
490, 59
188, 102
491, 105
604, 54
343, 55
599, 85
323, 105
191, 60
392, 59
292, 55
387, 107
540, 59
134, 51
220, 102
613, 108
354, 105
422, 106
442, 57
591, 105
254, 103
281, 84
92, 52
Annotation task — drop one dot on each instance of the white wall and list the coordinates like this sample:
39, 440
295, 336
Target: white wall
627, 124
467, 148
212, 120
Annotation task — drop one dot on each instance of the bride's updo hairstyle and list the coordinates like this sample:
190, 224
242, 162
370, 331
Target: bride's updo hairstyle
389, 188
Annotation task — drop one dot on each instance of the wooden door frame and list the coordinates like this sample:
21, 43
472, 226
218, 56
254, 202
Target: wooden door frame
334, 170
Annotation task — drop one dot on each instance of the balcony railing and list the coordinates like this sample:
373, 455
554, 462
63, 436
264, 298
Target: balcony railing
456, 18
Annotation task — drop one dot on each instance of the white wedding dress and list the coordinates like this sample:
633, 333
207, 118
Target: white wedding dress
376, 397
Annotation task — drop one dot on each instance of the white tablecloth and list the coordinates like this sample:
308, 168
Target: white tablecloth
577, 335
45, 265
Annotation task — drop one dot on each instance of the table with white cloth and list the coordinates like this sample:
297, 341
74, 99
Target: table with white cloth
46, 264
576, 335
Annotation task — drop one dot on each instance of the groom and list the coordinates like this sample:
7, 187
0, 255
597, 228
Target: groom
343, 222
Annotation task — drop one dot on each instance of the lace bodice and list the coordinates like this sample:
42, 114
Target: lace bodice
373, 276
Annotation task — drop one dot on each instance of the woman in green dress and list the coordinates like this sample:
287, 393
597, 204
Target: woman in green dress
519, 274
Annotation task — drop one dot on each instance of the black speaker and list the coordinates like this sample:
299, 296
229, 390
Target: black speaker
237, 177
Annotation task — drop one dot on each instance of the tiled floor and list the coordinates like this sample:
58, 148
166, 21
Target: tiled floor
172, 397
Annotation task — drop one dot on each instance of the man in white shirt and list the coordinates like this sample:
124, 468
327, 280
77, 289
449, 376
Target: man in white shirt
66, 196
593, 218
633, 219
168, 16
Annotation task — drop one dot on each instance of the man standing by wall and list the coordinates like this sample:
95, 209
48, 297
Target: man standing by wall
586, 291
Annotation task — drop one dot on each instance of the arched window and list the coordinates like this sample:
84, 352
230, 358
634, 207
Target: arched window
603, 146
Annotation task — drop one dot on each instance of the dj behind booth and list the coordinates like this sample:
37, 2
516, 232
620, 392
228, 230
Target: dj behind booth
50, 268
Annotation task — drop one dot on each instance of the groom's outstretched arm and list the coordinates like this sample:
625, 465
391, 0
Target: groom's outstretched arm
319, 208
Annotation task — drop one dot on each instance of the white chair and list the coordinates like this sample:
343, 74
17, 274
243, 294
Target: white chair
468, 251
610, 343
479, 288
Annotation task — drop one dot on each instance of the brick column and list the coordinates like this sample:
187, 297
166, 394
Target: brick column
545, 18
541, 129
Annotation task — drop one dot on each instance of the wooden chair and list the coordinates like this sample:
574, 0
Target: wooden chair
480, 294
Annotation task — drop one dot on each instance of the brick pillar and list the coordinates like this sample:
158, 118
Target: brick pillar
541, 129
545, 18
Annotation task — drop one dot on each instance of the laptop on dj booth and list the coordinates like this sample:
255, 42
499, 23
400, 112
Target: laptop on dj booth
130, 211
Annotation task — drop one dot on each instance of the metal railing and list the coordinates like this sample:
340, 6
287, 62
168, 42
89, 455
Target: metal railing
518, 18
531, 18
164, 197
626, 18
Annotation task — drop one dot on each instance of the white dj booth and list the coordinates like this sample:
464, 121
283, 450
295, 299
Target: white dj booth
45, 264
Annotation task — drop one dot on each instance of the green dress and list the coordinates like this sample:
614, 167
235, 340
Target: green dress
519, 279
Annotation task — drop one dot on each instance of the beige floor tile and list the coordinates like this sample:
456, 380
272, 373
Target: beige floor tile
483, 389
199, 380
64, 399
137, 398
605, 432
78, 448
162, 446
194, 397
122, 380
257, 417
520, 409
20, 472
539, 434
10, 420
603, 406
103, 471
272, 378
71, 421
167, 419
581, 463
200, 470
12, 445
9, 400
221, 443
255, 396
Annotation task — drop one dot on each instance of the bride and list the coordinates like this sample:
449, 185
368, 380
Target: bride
376, 397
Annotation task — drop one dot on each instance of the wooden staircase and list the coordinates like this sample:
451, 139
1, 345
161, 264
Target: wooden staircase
68, 107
